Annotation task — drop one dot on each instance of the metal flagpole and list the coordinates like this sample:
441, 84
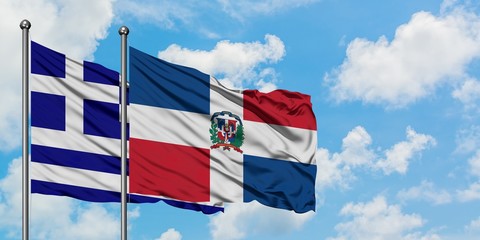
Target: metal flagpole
25, 26
123, 31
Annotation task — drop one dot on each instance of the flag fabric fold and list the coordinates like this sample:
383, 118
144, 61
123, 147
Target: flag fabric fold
75, 130
192, 139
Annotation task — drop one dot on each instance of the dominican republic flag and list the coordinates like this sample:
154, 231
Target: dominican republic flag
75, 130
193, 140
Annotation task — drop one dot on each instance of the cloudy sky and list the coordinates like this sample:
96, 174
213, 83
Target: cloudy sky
395, 87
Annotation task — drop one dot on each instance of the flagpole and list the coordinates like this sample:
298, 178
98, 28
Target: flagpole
123, 31
25, 26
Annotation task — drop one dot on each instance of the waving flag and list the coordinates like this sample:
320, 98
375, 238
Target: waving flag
75, 128
75, 125
192, 139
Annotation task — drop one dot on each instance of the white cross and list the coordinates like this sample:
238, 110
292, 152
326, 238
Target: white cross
75, 91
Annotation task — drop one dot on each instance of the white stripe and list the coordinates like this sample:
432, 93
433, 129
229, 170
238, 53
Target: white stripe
74, 86
75, 140
280, 142
169, 126
75, 177
75, 91
226, 166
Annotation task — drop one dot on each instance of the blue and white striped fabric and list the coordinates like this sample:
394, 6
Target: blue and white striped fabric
75, 129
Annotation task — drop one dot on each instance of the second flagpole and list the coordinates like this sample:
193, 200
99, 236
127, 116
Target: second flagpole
25, 26
123, 31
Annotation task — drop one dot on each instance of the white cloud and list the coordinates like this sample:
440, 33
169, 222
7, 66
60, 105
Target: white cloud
331, 171
263, 86
470, 194
448, 5
471, 231
170, 234
11, 196
197, 15
425, 191
398, 157
411, 66
420, 236
134, 213
90, 222
53, 217
357, 152
473, 226
235, 71
242, 9
241, 220
62, 24
468, 94
164, 13
378, 220
474, 163
58, 24
267, 80
337, 168
468, 140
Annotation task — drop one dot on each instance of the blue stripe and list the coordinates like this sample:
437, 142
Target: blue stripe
81, 193
279, 184
157, 83
76, 159
93, 72
47, 62
96, 195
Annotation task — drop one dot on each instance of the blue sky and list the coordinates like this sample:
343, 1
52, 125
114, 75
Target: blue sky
395, 88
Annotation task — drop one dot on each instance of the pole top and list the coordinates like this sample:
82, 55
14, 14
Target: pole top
123, 30
25, 24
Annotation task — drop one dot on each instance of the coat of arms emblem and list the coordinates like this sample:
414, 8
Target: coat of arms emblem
226, 131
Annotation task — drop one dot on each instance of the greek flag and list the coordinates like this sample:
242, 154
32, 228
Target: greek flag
75, 130
75, 127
